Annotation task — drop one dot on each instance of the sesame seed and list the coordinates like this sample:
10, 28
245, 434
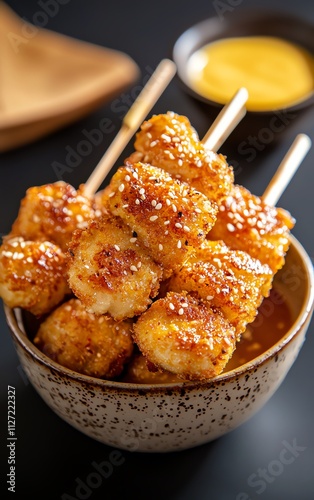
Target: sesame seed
117, 248
209, 297
166, 233
185, 304
153, 218
198, 210
127, 178
179, 244
174, 208
154, 203
160, 247
7, 254
158, 206
186, 228
142, 191
133, 240
135, 175
166, 222
153, 143
230, 227
177, 224
36, 219
166, 137
121, 188
29, 259
133, 268
181, 311
42, 247
139, 265
171, 306
168, 202
125, 206
180, 162
137, 201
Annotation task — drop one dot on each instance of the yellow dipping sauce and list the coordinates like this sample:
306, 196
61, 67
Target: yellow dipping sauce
276, 73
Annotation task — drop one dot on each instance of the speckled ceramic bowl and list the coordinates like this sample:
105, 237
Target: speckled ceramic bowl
172, 417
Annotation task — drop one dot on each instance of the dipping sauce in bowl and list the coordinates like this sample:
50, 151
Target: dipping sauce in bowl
276, 72
270, 53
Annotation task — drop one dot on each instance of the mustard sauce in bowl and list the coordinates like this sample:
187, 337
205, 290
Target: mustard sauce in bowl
271, 53
277, 73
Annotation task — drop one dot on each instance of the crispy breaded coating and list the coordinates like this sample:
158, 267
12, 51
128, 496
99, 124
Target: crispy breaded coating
52, 212
33, 275
245, 222
109, 271
230, 280
169, 217
93, 345
185, 336
170, 142
137, 372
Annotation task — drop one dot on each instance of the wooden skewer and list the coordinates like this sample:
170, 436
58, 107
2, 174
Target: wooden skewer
228, 118
287, 168
161, 77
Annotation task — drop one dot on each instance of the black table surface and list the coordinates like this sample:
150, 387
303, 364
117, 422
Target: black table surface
52, 457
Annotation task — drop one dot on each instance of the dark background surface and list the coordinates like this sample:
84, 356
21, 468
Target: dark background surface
50, 454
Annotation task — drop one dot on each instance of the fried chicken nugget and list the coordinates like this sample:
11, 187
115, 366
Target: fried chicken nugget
109, 271
185, 336
88, 344
52, 212
245, 222
170, 142
230, 280
33, 275
137, 372
169, 217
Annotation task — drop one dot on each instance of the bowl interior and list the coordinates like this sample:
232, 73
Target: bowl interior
295, 282
240, 24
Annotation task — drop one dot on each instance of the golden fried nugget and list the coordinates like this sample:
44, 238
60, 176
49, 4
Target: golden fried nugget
33, 275
170, 142
185, 336
245, 222
88, 344
110, 272
52, 212
169, 217
137, 372
230, 280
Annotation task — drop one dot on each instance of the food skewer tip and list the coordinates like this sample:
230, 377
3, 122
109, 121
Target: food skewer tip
228, 118
287, 168
159, 80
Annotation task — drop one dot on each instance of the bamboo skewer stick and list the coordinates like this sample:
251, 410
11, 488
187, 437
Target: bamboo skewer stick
228, 118
162, 76
287, 168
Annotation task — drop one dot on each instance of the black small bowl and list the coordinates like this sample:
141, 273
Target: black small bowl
242, 23
265, 127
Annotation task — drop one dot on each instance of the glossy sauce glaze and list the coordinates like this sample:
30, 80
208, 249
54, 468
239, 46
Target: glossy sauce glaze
273, 320
276, 73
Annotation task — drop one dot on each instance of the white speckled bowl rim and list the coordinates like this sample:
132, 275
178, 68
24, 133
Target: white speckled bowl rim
305, 312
